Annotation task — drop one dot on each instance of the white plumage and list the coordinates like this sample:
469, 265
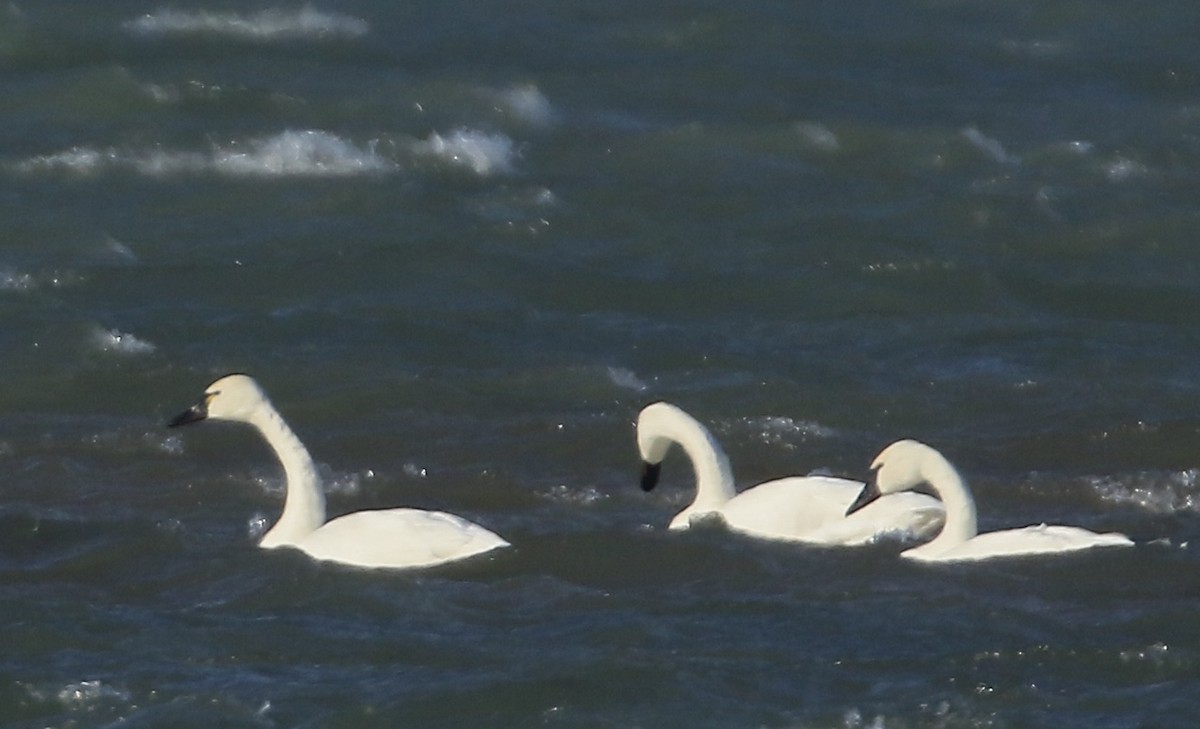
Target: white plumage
906, 464
799, 508
394, 538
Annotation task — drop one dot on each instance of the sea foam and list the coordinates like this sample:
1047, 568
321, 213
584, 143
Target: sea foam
483, 153
117, 342
271, 24
1155, 492
305, 153
524, 102
784, 431
16, 281
300, 153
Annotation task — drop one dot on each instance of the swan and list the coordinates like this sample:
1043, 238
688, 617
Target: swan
803, 509
906, 464
390, 538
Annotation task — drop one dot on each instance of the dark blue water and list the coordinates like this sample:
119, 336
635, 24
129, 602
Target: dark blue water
462, 244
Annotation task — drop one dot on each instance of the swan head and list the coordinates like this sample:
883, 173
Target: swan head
899, 467
233, 397
654, 424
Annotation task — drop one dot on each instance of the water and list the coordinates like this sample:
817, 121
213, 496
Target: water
461, 244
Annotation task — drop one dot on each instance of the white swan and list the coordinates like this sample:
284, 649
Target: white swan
804, 509
383, 538
906, 464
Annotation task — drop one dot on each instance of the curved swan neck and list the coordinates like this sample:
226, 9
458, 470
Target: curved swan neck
950, 487
714, 476
304, 504
665, 424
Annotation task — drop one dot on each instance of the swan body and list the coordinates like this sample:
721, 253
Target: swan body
393, 538
797, 508
906, 464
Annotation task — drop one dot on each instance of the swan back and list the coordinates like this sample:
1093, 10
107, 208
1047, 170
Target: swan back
908, 463
399, 538
385, 538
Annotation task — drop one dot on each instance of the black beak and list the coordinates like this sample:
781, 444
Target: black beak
193, 414
650, 473
869, 493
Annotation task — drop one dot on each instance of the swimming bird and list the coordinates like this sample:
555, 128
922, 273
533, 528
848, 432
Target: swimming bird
377, 538
906, 464
799, 508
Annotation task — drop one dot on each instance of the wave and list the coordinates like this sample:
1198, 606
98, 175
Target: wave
304, 153
309, 153
117, 342
22, 282
784, 431
16, 281
271, 24
626, 379
1154, 492
524, 102
289, 154
483, 153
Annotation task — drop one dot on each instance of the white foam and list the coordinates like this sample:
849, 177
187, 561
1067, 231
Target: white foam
304, 153
412, 470
80, 160
271, 24
1155, 655
340, 482
111, 340
627, 379
119, 251
1123, 168
989, 146
310, 153
485, 154
87, 693
21, 282
818, 136
1157, 493
526, 103
16, 281
784, 431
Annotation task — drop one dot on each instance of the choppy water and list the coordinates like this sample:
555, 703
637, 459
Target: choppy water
462, 243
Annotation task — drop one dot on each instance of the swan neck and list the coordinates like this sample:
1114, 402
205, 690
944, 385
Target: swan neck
948, 484
304, 503
714, 477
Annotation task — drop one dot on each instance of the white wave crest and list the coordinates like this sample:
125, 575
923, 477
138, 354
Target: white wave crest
818, 136
300, 153
21, 282
627, 379
484, 154
86, 693
16, 281
270, 24
989, 146
111, 340
308, 153
784, 431
1155, 492
526, 103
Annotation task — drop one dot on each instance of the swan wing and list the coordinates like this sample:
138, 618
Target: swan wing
789, 508
813, 509
399, 538
1032, 540
904, 516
